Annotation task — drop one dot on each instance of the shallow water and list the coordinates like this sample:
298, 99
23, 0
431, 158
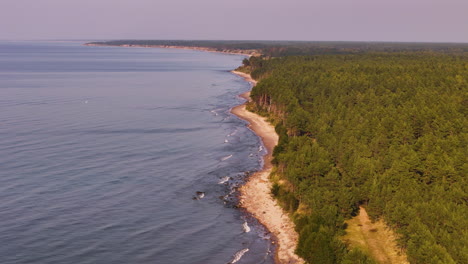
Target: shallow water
103, 151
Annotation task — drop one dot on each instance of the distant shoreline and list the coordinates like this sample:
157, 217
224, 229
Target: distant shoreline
256, 192
226, 51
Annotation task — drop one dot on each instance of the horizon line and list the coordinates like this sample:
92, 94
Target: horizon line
247, 40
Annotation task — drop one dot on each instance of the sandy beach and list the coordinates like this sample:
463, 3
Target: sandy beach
256, 196
207, 49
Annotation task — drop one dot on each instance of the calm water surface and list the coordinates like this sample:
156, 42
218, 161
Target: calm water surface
103, 150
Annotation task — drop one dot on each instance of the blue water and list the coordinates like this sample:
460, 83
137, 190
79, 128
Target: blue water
103, 151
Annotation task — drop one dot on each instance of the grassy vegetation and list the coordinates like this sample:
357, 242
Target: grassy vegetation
373, 238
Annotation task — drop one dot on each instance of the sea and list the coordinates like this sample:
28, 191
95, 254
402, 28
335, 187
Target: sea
124, 155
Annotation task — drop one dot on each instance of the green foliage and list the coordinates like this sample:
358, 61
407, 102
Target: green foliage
383, 130
287, 199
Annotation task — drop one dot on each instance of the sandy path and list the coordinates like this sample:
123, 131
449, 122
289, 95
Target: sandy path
256, 195
376, 238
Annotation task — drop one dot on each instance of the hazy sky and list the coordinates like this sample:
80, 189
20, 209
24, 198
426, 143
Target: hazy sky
369, 20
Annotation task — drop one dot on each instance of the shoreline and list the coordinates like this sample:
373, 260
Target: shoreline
255, 194
206, 49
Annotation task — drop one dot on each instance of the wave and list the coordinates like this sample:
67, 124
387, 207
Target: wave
246, 227
238, 255
217, 111
224, 180
226, 158
265, 236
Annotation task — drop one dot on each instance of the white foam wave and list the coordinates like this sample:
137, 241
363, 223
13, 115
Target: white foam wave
260, 149
239, 255
224, 180
265, 236
246, 227
226, 158
226, 141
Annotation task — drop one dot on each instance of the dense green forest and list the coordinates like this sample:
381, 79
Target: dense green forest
288, 48
387, 131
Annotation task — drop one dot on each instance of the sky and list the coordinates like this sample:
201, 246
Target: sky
316, 20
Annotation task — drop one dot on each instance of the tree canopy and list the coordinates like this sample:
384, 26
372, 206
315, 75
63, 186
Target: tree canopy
383, 130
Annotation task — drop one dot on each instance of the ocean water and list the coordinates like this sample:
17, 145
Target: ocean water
123, 155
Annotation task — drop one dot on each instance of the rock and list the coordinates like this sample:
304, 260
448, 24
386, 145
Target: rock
199, 195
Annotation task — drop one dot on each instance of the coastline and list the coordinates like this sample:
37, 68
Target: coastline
206, 49
256, 195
